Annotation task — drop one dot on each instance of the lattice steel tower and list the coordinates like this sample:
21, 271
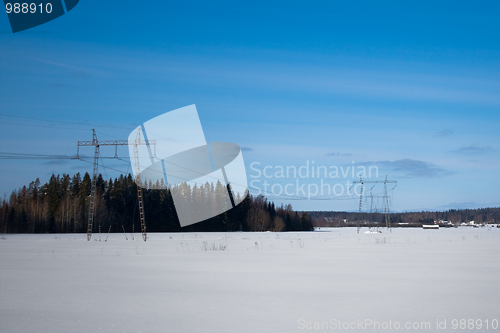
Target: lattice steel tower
96, 143
385, 196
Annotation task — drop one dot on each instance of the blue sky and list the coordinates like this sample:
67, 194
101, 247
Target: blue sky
412, 88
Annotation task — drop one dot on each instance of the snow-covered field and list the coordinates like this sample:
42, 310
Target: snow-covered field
251, 282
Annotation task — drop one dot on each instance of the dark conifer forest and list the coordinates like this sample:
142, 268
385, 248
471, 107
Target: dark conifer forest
61, 206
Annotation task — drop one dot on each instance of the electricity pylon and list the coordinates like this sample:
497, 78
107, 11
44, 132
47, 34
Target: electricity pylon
96, 143
385, 196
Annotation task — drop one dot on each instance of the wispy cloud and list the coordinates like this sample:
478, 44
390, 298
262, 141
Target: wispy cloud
57, 162
338, 154
314, 76
415, 168
80, 167
443, 133
474, 150
75, 70
247, 149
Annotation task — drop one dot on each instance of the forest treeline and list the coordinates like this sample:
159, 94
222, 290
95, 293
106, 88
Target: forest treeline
338, 219
61, 206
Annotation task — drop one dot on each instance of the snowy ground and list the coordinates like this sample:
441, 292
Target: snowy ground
260, 282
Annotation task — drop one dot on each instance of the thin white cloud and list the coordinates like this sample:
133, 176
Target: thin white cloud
75, 70
443, 133
410, 168
474, 150
338, 154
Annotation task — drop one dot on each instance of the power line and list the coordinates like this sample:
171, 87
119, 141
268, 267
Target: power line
44, 126
62, 122
27, 156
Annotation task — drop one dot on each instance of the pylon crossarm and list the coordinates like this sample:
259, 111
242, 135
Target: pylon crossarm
117, 143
